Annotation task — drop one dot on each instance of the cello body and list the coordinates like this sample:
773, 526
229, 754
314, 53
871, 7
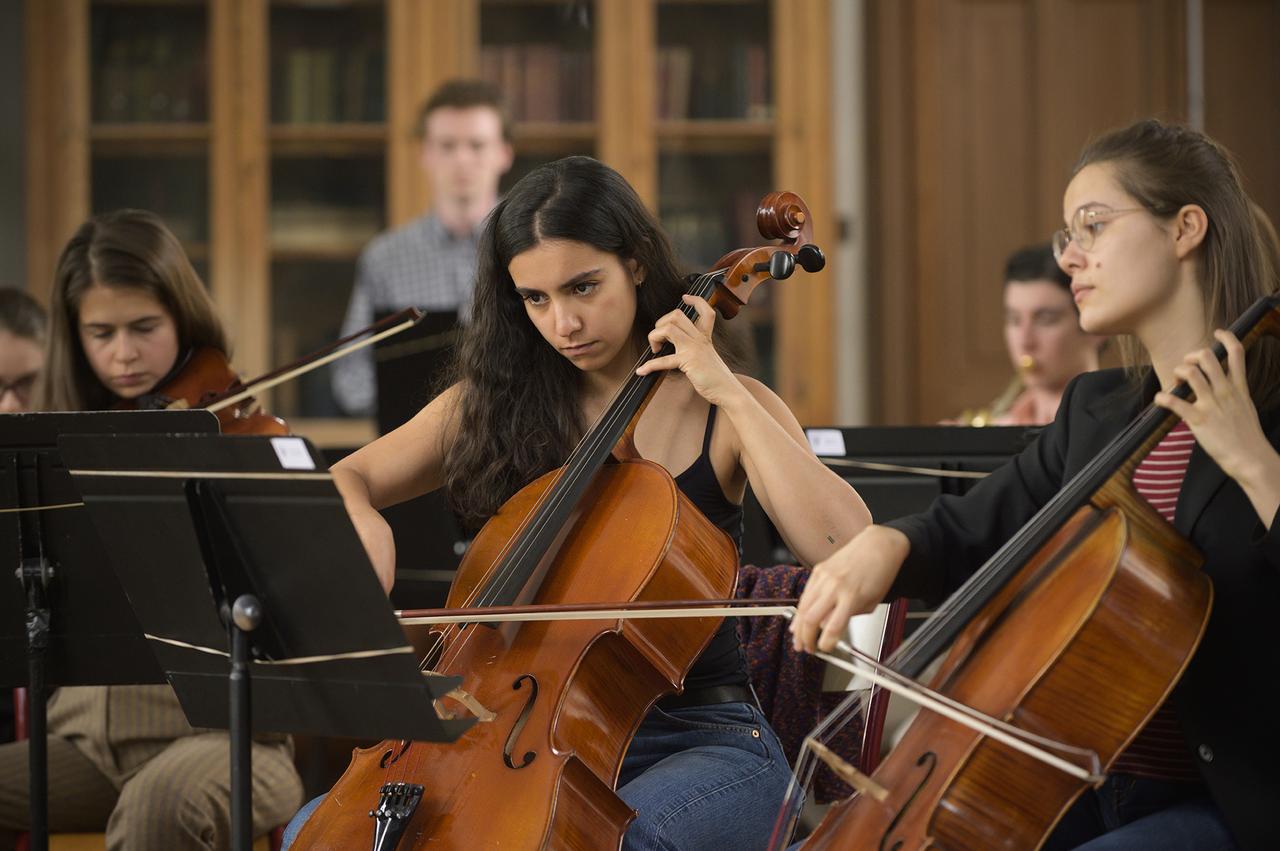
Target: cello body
567, 695
1082, 646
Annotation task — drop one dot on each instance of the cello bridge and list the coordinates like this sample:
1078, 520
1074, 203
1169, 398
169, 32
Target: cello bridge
396, 804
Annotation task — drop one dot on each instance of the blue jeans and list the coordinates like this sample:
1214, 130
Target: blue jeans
705, 777
1136, 812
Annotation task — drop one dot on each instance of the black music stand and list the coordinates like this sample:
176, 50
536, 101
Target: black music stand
250, 567
66, 620
897, 470
410, 366
410, 369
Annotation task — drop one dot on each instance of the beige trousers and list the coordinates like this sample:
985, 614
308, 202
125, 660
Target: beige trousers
177, 796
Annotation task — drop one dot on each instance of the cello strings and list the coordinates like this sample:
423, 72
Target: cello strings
592, 441
572, 474
1031, 744
595, 436
982, 582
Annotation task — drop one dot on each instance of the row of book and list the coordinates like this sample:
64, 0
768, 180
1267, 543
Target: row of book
312, 85
150, 77
541, 82
302, 226
716, 81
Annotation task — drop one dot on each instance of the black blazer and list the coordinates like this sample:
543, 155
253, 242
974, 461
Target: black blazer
1232, 730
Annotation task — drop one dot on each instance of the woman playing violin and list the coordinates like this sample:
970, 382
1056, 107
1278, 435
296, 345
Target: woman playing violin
1161, 244
125, 309
575, 279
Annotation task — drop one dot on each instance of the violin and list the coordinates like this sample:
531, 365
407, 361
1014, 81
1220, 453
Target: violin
201, 380
1095, 598
556, 702
205, 379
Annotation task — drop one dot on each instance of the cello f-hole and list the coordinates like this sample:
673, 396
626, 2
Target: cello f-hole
932, 759
529, 756
392, 755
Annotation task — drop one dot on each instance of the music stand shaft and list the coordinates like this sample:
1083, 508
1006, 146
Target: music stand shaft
37, 750
245, 615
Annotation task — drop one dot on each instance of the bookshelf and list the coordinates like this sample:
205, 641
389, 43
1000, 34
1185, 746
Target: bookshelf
276, 137
541, 56
327, 141
149, 115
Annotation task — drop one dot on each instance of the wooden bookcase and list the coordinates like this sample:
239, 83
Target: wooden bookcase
276, 137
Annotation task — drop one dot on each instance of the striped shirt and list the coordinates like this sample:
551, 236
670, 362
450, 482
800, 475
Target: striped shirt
1160, 750
419, 265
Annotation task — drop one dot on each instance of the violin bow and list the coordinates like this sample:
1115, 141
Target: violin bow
388, 327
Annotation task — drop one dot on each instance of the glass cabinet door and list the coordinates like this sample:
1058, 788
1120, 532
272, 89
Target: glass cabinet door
149, 113
328, 178
541, 56
713, 99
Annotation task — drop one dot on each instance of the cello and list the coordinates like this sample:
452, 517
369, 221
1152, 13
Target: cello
558, 702
1097, 595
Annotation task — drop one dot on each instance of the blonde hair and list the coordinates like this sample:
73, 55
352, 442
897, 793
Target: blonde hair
124, 248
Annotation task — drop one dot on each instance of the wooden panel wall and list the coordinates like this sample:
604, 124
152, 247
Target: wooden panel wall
803, 164
1242, 90
239, 166
57, 119
981, 107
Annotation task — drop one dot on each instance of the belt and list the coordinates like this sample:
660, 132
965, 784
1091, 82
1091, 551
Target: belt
708, 696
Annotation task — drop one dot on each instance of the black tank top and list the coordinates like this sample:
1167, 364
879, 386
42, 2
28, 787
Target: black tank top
723, 662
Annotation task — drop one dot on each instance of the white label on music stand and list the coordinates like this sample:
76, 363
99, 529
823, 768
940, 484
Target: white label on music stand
293, 454
826, 441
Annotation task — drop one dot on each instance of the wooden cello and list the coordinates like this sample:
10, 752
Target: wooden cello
559, 702
1075, 632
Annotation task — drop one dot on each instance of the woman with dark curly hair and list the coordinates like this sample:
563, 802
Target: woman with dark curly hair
575, 279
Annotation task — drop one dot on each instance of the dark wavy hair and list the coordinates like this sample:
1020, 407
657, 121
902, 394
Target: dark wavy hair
1166, 167
1035, 263
520, 413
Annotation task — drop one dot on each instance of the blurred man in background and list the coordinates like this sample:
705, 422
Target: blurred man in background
429, 263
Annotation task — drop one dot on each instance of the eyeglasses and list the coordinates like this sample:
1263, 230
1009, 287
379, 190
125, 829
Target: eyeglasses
20, 387
1085, 226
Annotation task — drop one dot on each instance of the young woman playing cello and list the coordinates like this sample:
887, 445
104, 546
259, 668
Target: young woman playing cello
125, 310
1161, 244
575, 279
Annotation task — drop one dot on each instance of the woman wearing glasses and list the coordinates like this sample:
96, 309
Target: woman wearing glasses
22, 324
1161, 245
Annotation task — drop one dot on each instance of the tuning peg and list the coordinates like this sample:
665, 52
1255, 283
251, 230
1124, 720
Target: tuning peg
780, 266
811, 258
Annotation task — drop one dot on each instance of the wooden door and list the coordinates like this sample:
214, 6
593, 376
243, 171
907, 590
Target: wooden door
981, 108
